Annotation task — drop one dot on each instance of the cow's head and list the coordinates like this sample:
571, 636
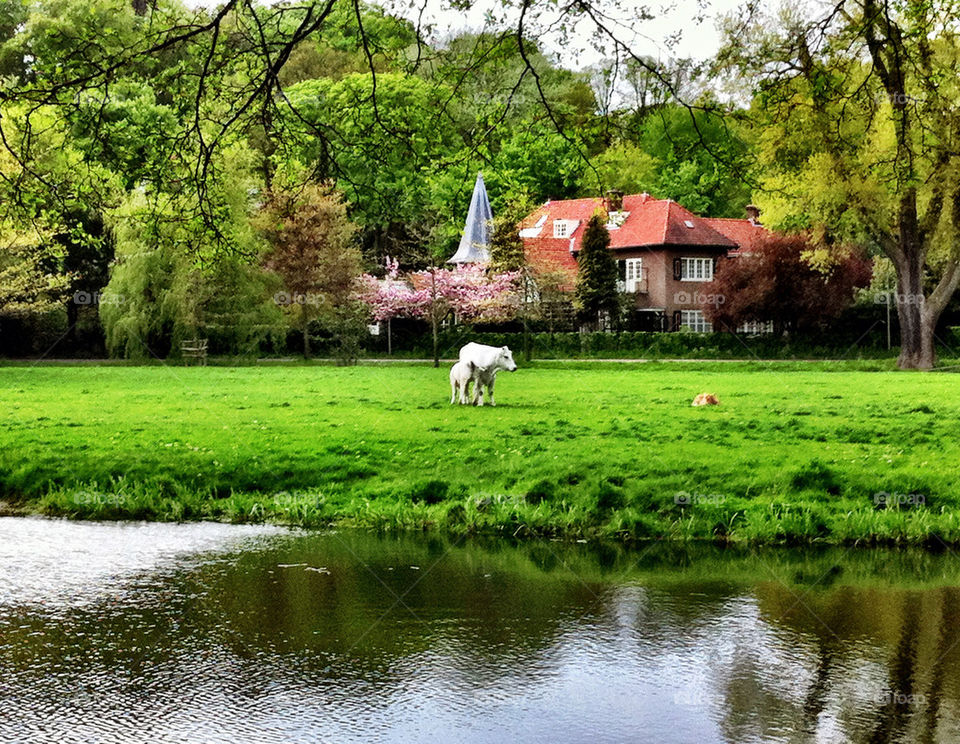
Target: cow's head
506, 359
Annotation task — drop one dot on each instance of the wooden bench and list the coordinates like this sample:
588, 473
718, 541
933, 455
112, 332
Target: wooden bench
194, 348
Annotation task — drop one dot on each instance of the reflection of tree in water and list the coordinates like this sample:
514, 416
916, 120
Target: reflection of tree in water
328, 617
879, 663
892, 716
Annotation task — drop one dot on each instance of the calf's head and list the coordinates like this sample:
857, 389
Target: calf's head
506, 359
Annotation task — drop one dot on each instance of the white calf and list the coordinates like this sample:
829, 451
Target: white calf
461, 375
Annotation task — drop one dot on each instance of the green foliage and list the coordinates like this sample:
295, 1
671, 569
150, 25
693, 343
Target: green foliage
402, 130
13, 13
626, 167
152, 307
694, 158
506, 245
539, 162
129, 133
27, 285
170, 281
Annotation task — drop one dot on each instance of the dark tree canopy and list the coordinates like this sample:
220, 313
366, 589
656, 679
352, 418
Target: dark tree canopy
781, 282
596, 291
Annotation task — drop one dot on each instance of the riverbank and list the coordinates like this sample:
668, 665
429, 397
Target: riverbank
846, 453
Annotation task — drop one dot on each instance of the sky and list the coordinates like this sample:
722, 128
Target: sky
691, 23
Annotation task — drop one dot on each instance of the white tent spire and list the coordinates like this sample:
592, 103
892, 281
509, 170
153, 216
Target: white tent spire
475, 243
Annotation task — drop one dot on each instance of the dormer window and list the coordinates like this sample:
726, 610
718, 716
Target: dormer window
561, 228
534, 232
616, 219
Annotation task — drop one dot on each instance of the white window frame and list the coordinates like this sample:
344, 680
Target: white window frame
694, 321
756, 328
561, 228
696, 269
633, 274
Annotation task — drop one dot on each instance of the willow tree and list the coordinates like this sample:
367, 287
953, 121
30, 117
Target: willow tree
859, 132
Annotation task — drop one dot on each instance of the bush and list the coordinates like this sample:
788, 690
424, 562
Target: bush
542, 490
430, 492
815, 476
608, 497
639, 344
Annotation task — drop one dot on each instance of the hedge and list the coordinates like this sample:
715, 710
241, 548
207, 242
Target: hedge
644, 345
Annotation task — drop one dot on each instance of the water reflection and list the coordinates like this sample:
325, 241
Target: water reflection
211, 633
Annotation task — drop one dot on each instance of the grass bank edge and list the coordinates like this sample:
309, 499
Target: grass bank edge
760, 520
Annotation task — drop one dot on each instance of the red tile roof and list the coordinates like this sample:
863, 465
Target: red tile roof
744, 233
650, 222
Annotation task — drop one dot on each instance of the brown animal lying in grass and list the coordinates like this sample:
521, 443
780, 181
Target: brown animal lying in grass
706, 399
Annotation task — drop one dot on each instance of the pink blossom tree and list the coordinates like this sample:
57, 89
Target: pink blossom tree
387, 298
467, 291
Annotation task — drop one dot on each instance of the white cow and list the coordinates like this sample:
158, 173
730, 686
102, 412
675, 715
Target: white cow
487, 361
461, 375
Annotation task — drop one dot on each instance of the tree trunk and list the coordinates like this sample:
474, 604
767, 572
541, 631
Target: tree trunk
434, 320
917, 318
73, 315
527, 354
526, 317
306, 331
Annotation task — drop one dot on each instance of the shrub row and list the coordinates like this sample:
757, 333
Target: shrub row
647, 345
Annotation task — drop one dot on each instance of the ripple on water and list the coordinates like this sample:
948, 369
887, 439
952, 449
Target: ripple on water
136, 633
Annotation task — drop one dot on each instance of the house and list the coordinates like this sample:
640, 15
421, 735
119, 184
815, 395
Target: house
666, 255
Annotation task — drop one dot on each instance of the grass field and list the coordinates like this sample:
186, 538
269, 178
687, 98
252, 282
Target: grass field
829, 452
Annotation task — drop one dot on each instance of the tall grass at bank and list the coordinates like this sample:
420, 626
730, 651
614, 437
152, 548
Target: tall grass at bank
823, 452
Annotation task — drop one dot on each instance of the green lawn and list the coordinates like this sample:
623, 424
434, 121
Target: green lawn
794, 452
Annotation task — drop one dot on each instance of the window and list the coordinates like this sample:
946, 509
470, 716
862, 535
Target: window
561, 228
755, 328
696, 269
634, 274
694, 320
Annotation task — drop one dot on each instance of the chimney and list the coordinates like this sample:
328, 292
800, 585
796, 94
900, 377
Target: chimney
644, 197
753, 214
614, 200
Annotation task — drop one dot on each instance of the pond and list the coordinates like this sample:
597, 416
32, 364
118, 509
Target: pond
219, 633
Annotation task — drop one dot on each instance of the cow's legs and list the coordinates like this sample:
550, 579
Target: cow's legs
478, 392
464, 392
490, 389
454, 389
